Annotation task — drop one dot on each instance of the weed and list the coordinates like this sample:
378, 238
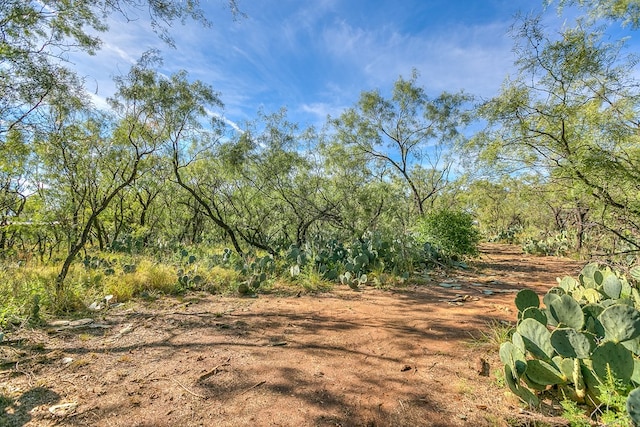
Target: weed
221, 279
313, 281
493, 420
496, 333
613, 397
78, 363
159, 277
498, 374
573, 414
123, 287
6, 401
464, 388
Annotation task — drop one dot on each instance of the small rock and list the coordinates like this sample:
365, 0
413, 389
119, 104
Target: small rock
126, 329
483, 367
63, 409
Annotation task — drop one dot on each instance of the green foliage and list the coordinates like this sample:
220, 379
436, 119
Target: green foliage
407, 133
633, 406
557, 119
20, 288
369, 259
613, 395
256, 270
497, 332
586, 343
574, 414
452, 232
625, 11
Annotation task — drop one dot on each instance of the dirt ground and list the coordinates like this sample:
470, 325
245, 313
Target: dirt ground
400, 357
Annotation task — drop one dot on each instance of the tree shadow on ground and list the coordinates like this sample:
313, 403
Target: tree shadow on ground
371, 358
16, 412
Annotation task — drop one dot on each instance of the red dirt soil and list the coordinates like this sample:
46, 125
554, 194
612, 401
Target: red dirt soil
398, 357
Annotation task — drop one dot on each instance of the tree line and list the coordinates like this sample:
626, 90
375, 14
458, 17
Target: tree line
551, 162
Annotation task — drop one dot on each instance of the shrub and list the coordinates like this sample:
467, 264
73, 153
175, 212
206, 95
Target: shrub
452, 232
124, 287
159, 277
27, 293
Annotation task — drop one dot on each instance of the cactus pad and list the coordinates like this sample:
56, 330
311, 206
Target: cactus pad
621, 322
615, 358
536, 338
527, 298
567, 312
569, 342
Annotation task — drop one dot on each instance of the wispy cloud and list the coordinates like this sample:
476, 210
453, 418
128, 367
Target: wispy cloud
474, 58
322, 110
226, 120
315, 57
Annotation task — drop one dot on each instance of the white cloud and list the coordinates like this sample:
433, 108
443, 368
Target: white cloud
321, 110
229, 122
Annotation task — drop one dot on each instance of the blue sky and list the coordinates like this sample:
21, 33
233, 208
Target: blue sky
314, 57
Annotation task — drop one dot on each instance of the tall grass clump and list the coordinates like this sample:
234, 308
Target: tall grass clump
28, 294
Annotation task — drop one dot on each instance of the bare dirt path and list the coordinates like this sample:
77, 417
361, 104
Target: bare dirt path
371, 358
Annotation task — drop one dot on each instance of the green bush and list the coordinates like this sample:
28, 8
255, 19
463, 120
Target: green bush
451, 232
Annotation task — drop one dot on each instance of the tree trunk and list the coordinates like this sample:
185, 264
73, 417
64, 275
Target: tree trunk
209, 210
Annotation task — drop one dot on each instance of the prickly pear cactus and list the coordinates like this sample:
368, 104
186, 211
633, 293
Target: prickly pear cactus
567, 312
527, 298
586, 331
633, 406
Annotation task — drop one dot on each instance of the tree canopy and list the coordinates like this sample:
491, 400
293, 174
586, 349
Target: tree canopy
380, 189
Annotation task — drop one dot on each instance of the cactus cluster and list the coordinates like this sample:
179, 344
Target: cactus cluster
586, 331
350, 264
323, 256
255, 271
189, 279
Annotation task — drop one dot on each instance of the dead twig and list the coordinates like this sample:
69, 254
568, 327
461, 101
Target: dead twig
212, 372
26, 373
252, 387
187, 390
